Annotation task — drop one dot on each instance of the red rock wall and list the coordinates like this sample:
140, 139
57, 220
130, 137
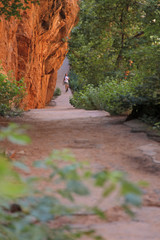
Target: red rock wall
34, 47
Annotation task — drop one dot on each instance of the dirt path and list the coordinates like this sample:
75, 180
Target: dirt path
107, 143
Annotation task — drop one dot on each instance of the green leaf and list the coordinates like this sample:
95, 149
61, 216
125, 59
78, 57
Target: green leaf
77, 187
40, 164
109, 190
143, 183
130, 188
99, 212
10, 183
133, 199
66, 194
21, 166
19, 139
101, 178
99, 238
128, 210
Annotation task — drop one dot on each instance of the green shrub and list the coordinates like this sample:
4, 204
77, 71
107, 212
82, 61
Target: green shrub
145, 99
114, 96
11, 93
75, 83
57, 92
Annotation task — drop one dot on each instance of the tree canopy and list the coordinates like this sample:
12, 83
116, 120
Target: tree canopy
111, 34
120, 39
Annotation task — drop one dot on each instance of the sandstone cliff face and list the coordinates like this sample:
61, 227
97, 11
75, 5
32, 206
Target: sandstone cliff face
35, 47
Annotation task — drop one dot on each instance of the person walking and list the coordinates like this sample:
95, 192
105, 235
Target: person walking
66, 82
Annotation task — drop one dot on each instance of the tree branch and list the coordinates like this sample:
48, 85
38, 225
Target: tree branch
137, 35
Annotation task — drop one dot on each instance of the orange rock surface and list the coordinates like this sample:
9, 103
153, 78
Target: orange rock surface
35, 47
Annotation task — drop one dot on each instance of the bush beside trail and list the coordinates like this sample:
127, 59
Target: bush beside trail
120, 96
11, 94
113, 96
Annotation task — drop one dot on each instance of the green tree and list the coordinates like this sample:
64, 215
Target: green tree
119, 38
99, 41
109, 34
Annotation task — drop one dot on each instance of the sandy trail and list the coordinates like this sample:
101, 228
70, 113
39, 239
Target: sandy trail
106, 143
60, 108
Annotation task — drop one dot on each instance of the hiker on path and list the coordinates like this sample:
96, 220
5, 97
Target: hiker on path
66, 82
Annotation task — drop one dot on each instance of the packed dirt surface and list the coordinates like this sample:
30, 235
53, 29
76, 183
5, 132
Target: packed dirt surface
106, 143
